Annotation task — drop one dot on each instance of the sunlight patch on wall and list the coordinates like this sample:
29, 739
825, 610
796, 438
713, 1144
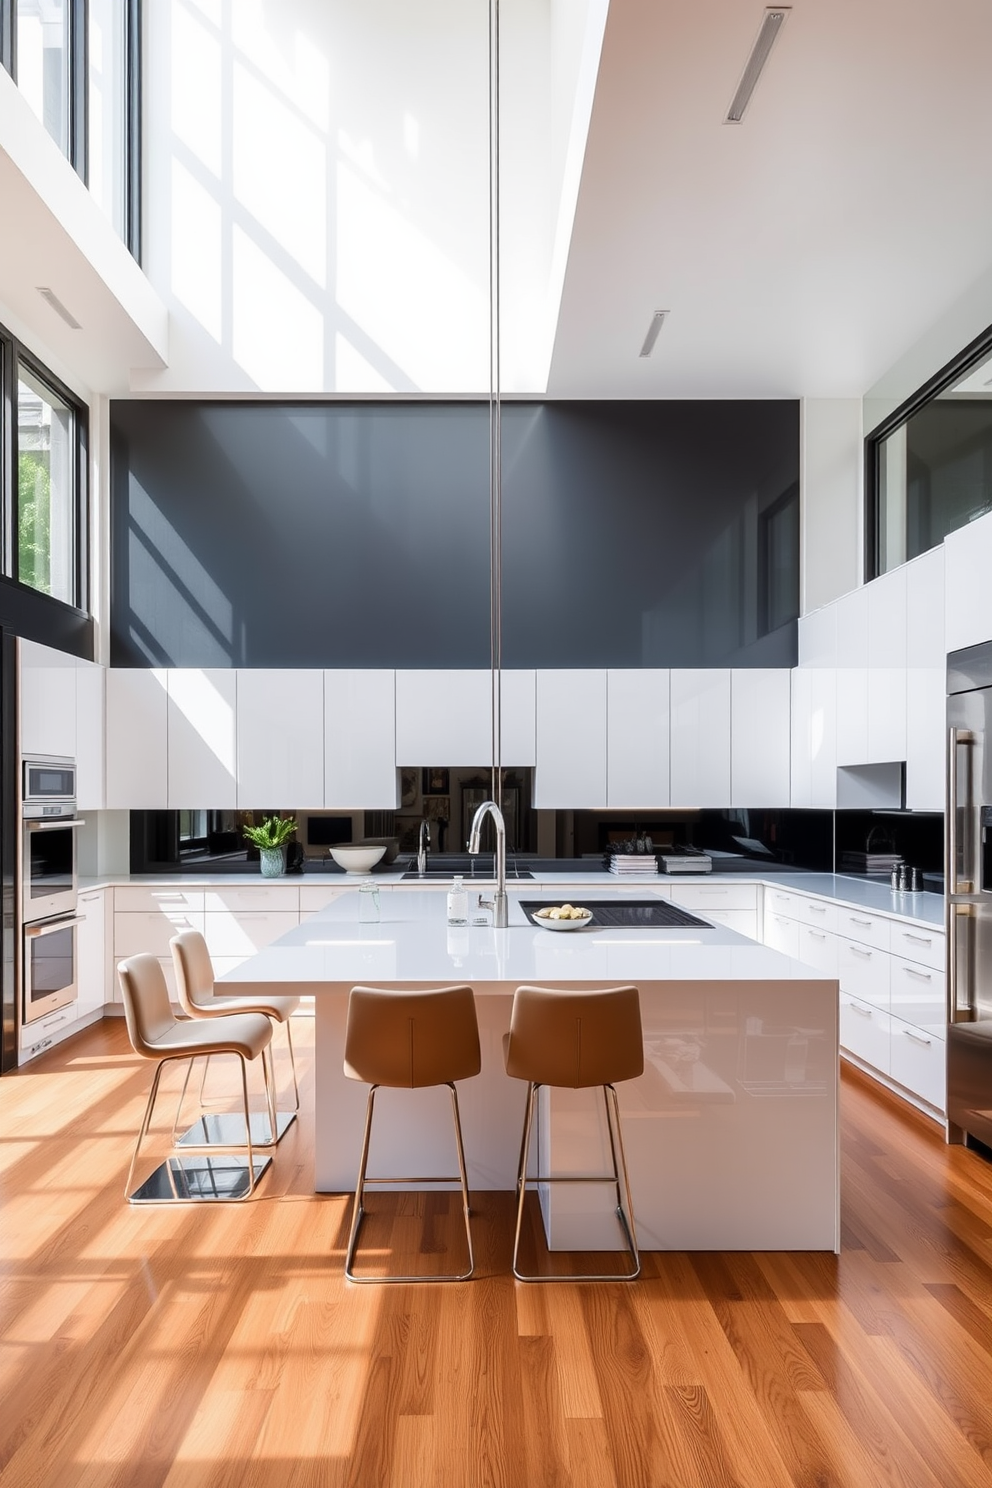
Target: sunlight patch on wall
289, 60
196, 254
173, 597
352, 372
206, 713
278, 334
195, 111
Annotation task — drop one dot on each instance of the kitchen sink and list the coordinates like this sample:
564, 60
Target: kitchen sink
627, 913
483, 871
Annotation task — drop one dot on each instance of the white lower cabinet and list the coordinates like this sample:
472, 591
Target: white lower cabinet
781, 933
916, 1060
92, 990
863, 971
864, 1031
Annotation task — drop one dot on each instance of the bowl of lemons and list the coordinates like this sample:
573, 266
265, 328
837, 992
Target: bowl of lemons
562, 917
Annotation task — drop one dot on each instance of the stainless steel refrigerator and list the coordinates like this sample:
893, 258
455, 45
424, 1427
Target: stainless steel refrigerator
968, 869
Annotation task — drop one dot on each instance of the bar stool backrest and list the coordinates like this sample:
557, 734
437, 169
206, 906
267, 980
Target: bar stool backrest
147, 1008
194, 970
411, 1039
575, 1039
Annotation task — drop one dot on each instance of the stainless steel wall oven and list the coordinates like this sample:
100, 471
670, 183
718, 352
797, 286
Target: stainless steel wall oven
48, 885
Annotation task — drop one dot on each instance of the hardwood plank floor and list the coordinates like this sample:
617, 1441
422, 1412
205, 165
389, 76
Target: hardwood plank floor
198, 1347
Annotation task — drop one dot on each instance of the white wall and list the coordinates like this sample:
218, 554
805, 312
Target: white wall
317, 211
831, 499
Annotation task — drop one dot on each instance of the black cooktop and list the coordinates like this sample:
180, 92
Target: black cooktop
628, 913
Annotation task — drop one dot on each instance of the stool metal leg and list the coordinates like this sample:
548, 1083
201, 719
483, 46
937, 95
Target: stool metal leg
625, 1215
292, 1062
358, 1211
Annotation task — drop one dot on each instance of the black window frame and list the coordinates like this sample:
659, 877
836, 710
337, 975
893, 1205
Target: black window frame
13, 356
78, 103
978, 350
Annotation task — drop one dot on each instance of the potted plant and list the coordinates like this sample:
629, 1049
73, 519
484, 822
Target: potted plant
270, 839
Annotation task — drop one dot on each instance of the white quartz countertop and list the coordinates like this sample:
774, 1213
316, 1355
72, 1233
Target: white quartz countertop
413, 944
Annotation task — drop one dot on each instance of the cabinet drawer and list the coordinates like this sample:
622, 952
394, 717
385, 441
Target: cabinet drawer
243, 934
863, 972
917, 1061
864, 1032
868, 929
818, 948
782, 933
782, 902
317, 896
130, 897
152, 931
283, 897
916, 943
817, 912
916, 993
716, 896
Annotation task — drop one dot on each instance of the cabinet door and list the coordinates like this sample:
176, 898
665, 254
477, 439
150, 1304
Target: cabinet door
637, 738
91, 952
917, 1060
137, 753
280, 729
886, 714
47, 701
852, 715
201, 734
571, 740
759, 737
818, 948
926, 744
518, 719
864, 972
701, 737
360, 740
967, 592
801, 764
781, 933
443, 718
864, 1031
823, 737
90, 736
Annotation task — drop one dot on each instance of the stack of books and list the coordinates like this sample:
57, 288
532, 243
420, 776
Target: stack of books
623, 863
869, 862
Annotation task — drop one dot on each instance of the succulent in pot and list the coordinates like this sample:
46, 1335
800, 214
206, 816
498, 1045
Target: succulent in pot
270, 839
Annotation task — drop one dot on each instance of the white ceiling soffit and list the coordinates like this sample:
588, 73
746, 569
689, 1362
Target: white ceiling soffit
800, 252
56, 239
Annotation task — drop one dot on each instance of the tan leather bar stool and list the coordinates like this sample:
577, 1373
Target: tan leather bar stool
409, 1040
576, 1040
156, 1033
198, 999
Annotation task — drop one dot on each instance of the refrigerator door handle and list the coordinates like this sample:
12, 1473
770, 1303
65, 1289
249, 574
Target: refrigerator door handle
957, 739
960, 999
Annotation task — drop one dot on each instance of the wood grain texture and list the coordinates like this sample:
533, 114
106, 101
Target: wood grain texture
200, 1347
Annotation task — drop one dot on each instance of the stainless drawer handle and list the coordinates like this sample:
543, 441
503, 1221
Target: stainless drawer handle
860, 951
921, 976
855, 921
817, 908
817, 934
861, 1012
920, 939
917, 1038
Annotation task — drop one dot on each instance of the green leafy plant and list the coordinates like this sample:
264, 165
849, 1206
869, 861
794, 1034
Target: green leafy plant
274, 831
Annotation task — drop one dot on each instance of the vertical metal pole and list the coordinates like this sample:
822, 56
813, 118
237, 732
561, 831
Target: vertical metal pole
495, 448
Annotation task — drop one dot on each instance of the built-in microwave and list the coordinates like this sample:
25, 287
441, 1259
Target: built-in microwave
48, 787
50, 967
48, 843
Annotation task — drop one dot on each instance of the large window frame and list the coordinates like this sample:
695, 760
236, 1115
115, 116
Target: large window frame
975, 352
78, 101
13, 358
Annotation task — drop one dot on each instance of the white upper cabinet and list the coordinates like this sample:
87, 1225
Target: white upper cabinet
852, 629
759, 737
801, 772
926, 682
443, 718
137, 751
925, 646
280, 733
823, 737
518, 718
818, 638
852, 715
571, 740
360, 740
700, 760
90, 736
887, 667
201, 738
638, 747
47, 701
968, 593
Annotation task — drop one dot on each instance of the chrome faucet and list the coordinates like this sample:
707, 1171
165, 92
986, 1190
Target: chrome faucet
423, 846
489, 808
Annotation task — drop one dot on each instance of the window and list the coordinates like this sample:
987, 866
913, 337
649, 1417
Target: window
928, 467
76, 62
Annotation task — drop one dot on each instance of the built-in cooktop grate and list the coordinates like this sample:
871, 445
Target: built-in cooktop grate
648, 914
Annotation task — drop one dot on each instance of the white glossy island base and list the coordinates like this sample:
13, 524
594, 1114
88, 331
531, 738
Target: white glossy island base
731, 1131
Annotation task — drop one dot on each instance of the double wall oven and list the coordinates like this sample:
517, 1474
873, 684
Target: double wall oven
48, 885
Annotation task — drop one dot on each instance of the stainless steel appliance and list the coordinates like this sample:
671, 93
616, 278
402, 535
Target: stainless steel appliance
48, 848
968, 868
48, 885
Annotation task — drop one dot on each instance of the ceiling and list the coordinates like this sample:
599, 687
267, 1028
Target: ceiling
801, 252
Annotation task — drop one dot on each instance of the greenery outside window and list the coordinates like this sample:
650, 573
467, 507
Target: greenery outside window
50, 497
928, 467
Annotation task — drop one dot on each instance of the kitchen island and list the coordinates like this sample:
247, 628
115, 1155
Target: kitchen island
731, 1131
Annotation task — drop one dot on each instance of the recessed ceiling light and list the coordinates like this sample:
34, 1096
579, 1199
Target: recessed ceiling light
654, 330
771, 25
51, 298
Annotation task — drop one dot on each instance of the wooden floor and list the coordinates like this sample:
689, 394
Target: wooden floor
203, 1346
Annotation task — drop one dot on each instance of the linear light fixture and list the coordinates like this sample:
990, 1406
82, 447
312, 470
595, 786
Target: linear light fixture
654, 330
51, 298
774, 20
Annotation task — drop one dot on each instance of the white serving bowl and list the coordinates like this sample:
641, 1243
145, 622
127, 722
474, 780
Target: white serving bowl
548, 924
357, 857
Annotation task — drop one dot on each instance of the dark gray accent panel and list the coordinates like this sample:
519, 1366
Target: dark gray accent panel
634, 534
